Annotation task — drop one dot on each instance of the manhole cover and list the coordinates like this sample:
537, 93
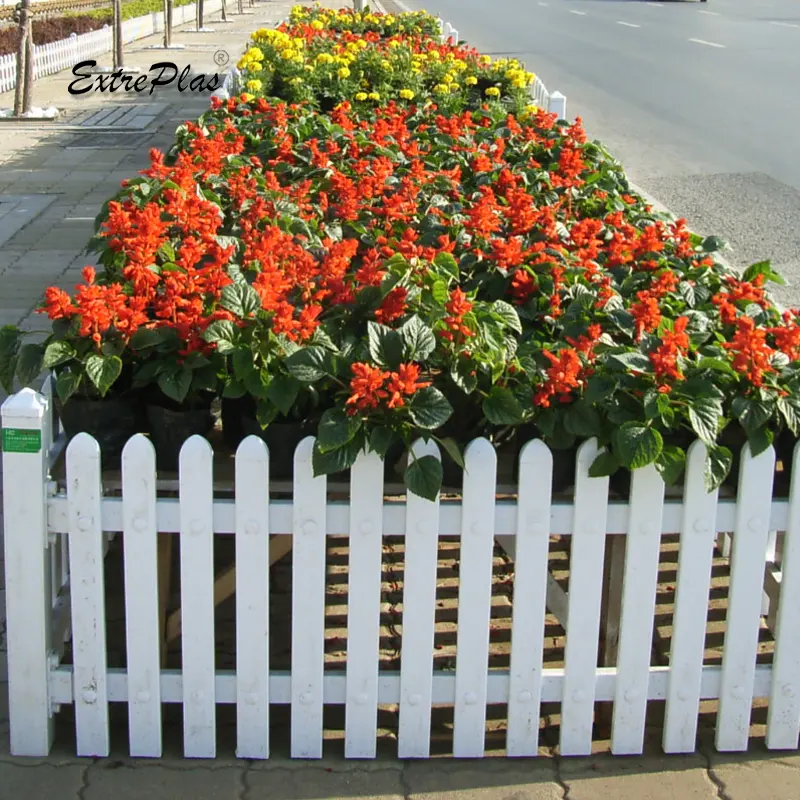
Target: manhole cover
103, 141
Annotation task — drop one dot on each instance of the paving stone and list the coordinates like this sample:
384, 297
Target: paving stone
40, 782
493, 779
111, 779
757, 776
643, 778
314, 782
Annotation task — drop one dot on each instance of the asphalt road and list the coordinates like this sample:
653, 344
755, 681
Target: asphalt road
700, 102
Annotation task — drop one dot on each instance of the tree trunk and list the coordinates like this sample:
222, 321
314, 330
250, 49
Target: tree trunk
200, 15
224, 10
118, 63
241, 6
27, 95
22, 16
168, 23
358, 5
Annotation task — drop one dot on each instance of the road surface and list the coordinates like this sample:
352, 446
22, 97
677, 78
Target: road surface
700, 102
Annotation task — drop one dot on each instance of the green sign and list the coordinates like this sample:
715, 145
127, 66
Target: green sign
21, 440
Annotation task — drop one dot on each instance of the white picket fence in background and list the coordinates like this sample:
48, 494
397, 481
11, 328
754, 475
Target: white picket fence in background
56, 538
65, 53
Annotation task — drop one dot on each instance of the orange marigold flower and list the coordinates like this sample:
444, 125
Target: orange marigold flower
367, 387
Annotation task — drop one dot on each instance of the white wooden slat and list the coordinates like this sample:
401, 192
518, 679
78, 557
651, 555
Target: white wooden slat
197, 598
87, 597
587, 550
308, 604
783, 719
141, 597
363, 606
638, 608
695, 556
530, 591
419, 612
744, 600
474, 598
252, 599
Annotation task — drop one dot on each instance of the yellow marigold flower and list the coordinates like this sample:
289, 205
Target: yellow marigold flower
460, 65
532, 109
361, 44
295, 81
434, 55
394, 44
470, 80
519, 83
486, 59
492, 91
324, 58
374, 96
361, 96
454, 87
441, 88
530, 76
308, 68
406, 94
317, 25
245, 97
449, 78
343, 72
254, 85
254, 54
288, 54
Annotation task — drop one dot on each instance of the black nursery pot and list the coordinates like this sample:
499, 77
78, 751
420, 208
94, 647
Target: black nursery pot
171, 427
110, 422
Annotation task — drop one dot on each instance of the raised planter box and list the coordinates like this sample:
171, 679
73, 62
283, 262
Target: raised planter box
56, 535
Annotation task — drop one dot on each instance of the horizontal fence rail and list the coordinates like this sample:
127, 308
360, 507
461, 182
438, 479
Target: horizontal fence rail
57, 540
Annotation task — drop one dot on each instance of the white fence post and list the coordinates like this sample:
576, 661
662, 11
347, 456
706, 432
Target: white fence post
558, 105
26, 440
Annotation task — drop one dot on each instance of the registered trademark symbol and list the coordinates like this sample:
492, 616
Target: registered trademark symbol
221, 58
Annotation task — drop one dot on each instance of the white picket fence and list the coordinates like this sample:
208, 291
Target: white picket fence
64, 54
56, 536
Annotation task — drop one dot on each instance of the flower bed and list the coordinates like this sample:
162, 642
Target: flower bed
382, 252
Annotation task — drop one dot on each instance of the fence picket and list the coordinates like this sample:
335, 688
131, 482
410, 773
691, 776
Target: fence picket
87, 596
530, 591
419, 612
197, 598
474, 598
695, 555
638, 607
783, 719
744, 599
587, 551
308, 604
141, 605
252, 599
363, 606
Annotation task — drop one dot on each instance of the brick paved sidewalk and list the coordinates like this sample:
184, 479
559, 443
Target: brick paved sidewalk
53, 181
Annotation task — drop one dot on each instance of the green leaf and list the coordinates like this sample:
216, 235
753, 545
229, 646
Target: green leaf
282, 392
380, 440
790, 409
462, 373
715, 364
336, 429
760, 439
605, 464
418, 339
240, 299
753, 413
718, 465
67, 384
10, 338
335, 460
762, 268
582, 419
310, 364
29, 363
439, 292
103, 371
598, 388
637, 445
57, 353
704, 415
687, 292
424, 477
635, 362
162, 338
175, 384
385, 345
453, 450
508, 314
712, 243
223, 333
501, 407
429, 408
671, 463
448, 264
